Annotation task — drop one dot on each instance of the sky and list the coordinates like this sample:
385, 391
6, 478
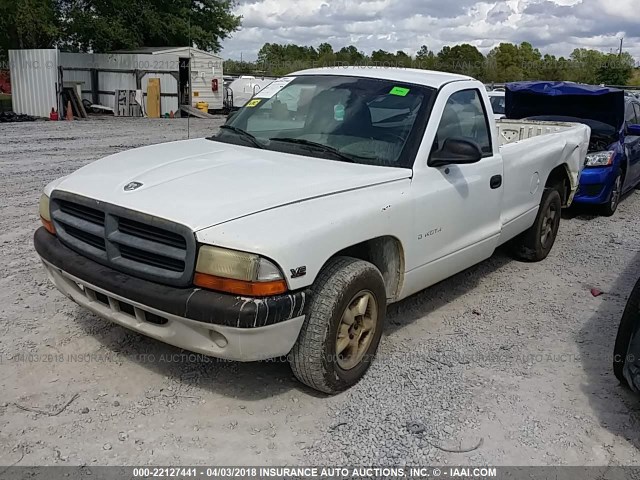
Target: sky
553, 26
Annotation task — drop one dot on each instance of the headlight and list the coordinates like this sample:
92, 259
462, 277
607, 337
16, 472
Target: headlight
599, 159
45, 215
237, 272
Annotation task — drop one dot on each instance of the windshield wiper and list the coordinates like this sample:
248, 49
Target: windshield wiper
319, 146
243, 133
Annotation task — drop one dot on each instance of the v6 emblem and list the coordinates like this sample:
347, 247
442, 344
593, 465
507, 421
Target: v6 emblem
298, 272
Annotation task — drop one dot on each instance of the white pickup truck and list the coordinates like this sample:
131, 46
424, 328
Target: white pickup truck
330, 195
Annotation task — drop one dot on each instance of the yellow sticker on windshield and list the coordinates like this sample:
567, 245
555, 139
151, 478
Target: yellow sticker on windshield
253, 103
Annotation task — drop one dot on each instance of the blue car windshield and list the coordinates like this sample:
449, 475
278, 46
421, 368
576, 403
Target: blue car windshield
344, 118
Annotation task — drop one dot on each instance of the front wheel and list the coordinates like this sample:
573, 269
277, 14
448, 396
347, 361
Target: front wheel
534, 244
609, 208
344, 323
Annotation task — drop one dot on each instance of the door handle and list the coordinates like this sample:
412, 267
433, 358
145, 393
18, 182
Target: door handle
495, 182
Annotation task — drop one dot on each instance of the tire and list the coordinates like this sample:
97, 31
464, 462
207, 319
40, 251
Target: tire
534, 244
342, 284
609, 208
628, 324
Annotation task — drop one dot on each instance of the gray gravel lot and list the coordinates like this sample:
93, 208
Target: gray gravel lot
507, 359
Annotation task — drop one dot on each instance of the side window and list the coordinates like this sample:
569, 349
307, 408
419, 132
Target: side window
464, 117
637, 108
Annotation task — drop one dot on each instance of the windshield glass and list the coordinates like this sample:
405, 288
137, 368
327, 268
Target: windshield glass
353, 119
497, 104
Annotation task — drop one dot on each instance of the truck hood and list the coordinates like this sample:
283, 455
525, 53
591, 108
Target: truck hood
201, 183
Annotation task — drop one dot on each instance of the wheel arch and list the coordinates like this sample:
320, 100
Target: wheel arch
388, 256
560, 178
624, 161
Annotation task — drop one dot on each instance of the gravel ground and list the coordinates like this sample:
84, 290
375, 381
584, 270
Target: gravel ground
509, 360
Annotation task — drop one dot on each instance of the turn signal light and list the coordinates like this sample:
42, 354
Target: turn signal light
240, 287
45, 215
48, 225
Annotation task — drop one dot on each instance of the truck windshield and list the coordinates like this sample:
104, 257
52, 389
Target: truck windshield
342, 118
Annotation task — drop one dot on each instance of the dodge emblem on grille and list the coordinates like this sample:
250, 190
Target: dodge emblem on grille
132, 186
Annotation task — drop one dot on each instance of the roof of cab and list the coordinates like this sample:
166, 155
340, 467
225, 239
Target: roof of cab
415, 76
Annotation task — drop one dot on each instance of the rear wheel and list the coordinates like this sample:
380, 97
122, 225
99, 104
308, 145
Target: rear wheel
344, 323
534, 244
609, 208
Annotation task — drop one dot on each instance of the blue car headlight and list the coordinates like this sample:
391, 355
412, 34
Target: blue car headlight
599, 159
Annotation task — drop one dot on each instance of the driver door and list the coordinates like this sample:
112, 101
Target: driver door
457, 207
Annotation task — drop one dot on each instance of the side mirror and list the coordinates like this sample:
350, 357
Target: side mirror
634, 130
456, 151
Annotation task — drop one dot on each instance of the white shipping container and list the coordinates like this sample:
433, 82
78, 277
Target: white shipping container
34, 81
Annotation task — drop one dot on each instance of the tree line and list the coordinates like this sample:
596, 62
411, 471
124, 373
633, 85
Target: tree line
505, 63
107, 25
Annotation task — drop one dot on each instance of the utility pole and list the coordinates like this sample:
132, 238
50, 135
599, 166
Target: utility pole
620, 51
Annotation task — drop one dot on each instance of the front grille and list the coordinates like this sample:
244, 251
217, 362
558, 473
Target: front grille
83, 212
150, 258
132, 242
590, 190
122, 307
93, 240
150, 232
127, 308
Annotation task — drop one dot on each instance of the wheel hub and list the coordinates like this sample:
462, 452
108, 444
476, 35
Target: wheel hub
356, 330
548, 224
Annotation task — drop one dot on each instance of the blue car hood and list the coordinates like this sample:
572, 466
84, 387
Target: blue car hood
531, 99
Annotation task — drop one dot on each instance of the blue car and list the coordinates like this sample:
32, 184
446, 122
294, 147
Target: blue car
612, 165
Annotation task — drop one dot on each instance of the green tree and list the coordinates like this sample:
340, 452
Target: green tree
504, 64
349, 55
28, 24
106, 25
234, 67
584, 64
615, 69
383, 58
403, 59
531, 61
326, 56
425, 58
552, 68
463, 59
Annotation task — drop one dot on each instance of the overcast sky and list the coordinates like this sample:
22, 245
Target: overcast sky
556, 26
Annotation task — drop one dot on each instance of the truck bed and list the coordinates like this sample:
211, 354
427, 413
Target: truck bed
530, 151
510, 131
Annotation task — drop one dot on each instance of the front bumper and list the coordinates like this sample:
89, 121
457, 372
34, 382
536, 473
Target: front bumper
211, 323
595, 185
